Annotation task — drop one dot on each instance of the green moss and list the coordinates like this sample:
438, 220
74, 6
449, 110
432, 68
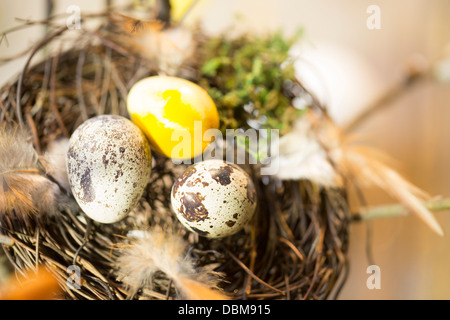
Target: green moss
246, 77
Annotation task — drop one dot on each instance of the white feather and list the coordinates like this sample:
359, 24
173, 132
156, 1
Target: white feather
301, 156
317, 150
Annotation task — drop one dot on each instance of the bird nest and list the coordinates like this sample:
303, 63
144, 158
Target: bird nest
295, 247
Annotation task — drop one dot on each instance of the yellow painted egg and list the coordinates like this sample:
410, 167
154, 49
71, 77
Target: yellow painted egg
174, 113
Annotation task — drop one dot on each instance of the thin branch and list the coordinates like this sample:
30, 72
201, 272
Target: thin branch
6, 241
53, 104
397, 210
31, 124
251, 274
41, 44
388, 97
79, 84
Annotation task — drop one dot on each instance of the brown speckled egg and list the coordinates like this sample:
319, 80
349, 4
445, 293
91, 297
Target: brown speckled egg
109, 165
214, 199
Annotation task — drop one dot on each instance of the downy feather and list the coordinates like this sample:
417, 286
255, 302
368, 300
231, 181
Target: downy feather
169, 47
318, 150
25, 189
160, 251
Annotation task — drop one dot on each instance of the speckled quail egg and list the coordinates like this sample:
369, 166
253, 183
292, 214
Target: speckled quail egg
214, 198
109, 165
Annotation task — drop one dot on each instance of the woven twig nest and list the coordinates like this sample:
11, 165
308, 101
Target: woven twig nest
295, 247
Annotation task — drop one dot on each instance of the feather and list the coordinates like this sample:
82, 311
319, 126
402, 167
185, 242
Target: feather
318, 150
365, 166
54, 161
39, 285
25, 189
158, 251
300, 156
195, 290
169, 47
17, 151
18, 170
135, 26
369, 170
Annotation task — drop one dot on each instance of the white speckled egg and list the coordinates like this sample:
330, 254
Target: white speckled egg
109, 165
213, 198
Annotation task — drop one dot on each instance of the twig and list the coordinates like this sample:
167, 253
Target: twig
109, 44
79, 81
53, 105
6, 241
106, 81
313, 280
4, 113
32, 126
363, 201
104, 285
38, 234
115, 77
85, 241
248, 286
384, 101
251, 274
25, 170
4, 37
293, 248
397, 210
27, 22
343, 278
41, 44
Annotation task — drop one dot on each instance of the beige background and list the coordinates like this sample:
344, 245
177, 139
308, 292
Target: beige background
358, 64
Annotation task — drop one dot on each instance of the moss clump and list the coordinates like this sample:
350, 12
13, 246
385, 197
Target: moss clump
251, 80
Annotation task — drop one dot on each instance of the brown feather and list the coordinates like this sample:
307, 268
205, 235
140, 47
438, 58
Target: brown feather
18, 165
135, 26
167, 48
25, 188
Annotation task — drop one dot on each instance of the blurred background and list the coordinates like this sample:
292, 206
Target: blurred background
349, 56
